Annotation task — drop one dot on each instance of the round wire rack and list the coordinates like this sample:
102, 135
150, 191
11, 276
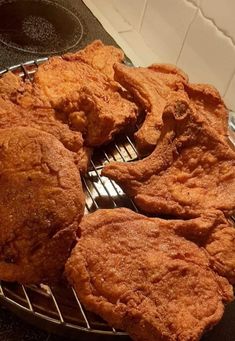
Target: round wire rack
57, 309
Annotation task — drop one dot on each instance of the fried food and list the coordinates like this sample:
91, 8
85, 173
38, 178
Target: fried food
41, 204
220, 245
139, 276
14, 115
216, 235
80, 95
92, 103
205, 97
151, 88
99, 56
169, 74
208, 102
20, 106
191, 170
10, 84
98, 117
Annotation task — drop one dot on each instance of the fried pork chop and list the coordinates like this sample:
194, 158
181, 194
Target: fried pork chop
191, 170
139, 276
41, 204
90, 100
99, 56
150, 87
153, 85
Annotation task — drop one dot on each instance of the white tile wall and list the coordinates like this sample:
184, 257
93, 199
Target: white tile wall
222, 13
165, 24
136, 42
207, 55
131, 10
106, 7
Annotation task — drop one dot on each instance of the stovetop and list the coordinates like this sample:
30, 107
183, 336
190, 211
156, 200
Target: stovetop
35, 29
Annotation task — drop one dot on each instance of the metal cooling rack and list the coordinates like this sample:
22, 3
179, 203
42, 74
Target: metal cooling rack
58, 309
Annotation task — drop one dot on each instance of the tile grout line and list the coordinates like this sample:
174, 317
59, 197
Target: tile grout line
229, 83
125, 31
187, 32
218, 28
213, 22
142, 16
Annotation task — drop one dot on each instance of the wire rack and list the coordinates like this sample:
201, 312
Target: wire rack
58, 309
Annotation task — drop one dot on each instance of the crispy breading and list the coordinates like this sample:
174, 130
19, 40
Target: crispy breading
217, 236
169, 73
139, 276
81, 95
150, 87
208, 102
220, 245
89, 99
41, 204
191, 170
15, 115
97, 114
21, 105
99, 56
10, 84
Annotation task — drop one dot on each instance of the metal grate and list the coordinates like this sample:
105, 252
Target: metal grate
58, 309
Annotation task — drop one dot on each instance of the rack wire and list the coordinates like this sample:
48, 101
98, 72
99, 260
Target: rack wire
58, 309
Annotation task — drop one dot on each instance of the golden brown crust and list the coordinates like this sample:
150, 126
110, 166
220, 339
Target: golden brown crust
99, 56
23, 105
216, 234
41, 204
139, 276
210, 105
168, 69
191, 169
150, 87
153, 86
70, 92
220, 246
13, 115
90, 102
10, 84
98, 115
